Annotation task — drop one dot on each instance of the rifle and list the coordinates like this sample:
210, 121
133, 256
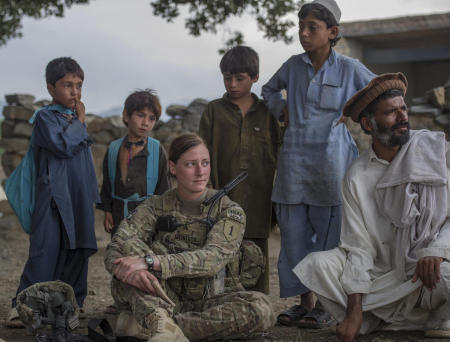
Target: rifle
220, 193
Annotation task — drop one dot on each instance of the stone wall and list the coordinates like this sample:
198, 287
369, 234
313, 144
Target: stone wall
16, 131
431, 111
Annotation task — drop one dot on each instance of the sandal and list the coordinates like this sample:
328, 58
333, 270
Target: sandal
316, 319
291, 316
13, 320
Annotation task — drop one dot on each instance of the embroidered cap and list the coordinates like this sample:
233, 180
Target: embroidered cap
332, 6
375, 88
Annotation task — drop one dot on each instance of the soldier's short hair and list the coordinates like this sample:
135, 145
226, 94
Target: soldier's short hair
183, 143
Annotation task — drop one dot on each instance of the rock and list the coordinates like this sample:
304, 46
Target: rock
443, 120
95, 124
9, 222
17, 113
23, 129
419, 100
176, 111
5, 208
191, 122
8, 128
20, 99
42, 103
425, 110
103, 137
14, 144
436, 97
98, 153
197, 107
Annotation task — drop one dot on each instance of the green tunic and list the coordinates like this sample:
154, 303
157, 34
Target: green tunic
237, 144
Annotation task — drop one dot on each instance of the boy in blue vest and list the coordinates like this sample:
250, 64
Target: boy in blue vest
62, 224
135, 166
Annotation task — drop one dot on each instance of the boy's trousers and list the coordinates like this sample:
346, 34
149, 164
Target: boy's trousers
52, 260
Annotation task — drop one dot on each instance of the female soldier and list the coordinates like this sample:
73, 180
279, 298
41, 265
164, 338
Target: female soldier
178, 242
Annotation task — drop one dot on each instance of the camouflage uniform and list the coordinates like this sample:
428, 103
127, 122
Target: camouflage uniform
210, 301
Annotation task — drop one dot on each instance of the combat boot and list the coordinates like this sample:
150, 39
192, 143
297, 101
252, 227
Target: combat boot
127, 325
163, 328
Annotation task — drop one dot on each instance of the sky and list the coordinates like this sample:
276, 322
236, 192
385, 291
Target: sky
122, 47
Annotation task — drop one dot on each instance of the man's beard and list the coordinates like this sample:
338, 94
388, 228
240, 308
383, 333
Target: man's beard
387, 136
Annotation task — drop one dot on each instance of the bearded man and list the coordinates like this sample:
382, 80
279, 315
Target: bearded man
391, 270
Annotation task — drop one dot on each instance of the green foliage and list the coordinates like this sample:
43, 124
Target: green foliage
206, 16
12, 12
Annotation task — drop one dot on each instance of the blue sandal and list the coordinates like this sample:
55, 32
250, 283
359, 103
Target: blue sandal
317, 318
291, 316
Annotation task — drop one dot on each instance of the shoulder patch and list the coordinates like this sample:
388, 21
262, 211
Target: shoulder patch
231, 230
235, 214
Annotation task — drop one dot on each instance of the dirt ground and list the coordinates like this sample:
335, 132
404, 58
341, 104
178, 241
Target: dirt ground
14, 251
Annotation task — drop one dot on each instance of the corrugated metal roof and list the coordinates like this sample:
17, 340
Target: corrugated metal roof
395, 25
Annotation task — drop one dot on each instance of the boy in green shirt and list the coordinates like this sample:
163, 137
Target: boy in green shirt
242, 135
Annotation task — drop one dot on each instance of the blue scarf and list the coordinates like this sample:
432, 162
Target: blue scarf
56, 107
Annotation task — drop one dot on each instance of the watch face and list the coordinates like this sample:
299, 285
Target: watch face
149, 261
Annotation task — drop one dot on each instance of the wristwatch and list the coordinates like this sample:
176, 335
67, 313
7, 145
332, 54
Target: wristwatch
149, 261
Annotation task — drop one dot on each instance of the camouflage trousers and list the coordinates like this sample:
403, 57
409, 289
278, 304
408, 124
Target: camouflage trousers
234, 315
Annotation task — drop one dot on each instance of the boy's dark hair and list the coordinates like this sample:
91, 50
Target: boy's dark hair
369, 111
141, 99
60, 67
321, 13
240, 59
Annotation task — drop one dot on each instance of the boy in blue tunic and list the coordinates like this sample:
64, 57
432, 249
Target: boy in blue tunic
135, 166
62, 225
316, 150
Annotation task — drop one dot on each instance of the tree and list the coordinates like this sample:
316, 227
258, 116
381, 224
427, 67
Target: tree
13, 11
206, 16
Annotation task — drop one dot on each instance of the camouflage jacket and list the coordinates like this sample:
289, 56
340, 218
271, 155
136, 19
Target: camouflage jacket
188, 252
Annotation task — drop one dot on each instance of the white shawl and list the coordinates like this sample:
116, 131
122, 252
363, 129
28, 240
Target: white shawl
412, 194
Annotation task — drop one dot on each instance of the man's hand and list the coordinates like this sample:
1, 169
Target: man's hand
348, 329
428, 270
80, 110
108, 222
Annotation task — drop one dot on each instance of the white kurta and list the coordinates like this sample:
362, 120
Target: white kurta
363, 261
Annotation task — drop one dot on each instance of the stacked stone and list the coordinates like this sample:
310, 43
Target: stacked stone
432, 110
184, 119
16, 131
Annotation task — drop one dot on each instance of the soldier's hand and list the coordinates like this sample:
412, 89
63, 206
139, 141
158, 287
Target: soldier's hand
142, 279
125, 266
428, 270
108, 222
